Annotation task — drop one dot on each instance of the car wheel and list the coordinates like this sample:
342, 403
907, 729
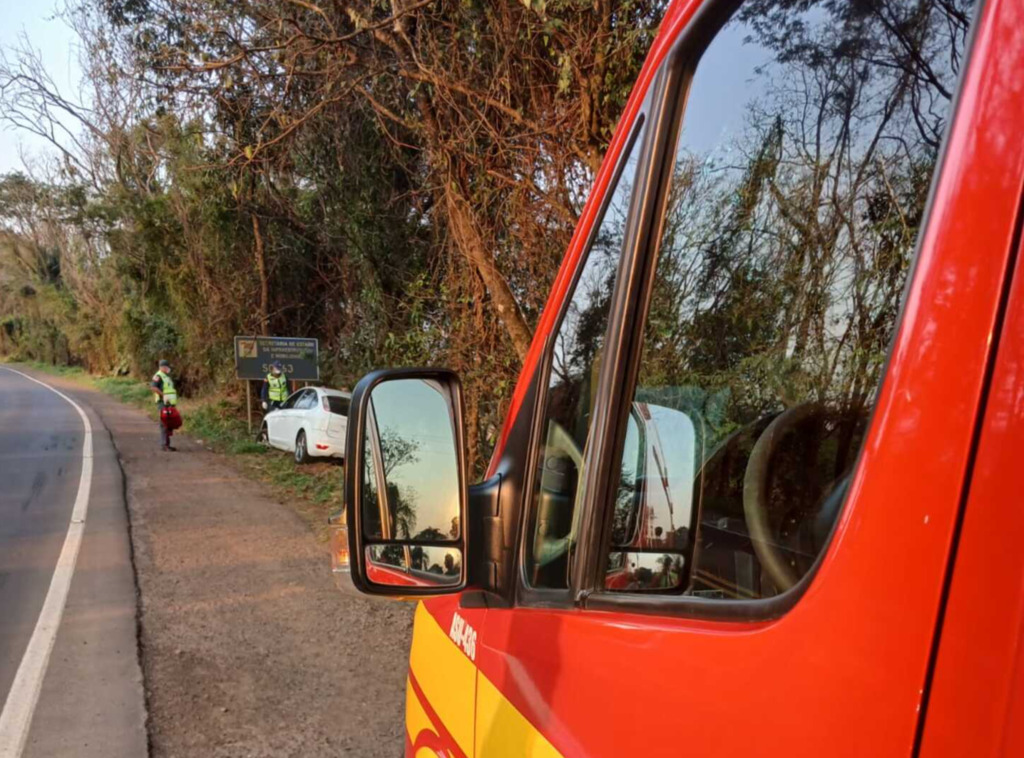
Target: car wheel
262, 438
301, 453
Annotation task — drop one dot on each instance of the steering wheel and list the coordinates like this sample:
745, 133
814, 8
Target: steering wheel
755, 493
560, 444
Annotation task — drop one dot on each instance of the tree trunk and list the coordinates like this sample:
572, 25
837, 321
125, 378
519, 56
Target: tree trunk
472, 427
261, 268
470, 243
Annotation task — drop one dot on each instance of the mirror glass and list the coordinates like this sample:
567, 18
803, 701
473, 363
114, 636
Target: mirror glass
654, 501
660, 471
410, 482
632, 572
413, 565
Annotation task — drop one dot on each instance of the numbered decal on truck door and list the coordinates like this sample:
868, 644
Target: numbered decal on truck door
463, 635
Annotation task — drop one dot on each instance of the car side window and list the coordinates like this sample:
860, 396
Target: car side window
307, 401
575, 365
804, 161
292, 399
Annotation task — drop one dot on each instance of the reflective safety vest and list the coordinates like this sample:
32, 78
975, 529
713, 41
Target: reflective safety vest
170, 394
277, 388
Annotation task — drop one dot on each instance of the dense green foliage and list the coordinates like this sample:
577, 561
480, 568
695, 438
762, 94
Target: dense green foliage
400, 178
397, 179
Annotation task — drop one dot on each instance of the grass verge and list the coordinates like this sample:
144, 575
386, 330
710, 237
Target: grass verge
312, 490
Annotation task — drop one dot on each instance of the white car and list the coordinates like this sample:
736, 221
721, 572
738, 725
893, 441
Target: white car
311, 424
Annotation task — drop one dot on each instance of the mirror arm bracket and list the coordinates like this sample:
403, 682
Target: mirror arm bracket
486, 537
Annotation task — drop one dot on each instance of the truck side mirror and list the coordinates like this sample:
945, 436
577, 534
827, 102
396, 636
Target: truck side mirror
405, 485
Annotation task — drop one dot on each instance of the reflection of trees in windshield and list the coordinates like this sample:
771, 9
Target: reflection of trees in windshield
581, 335
786, 246
808, 146
575, 362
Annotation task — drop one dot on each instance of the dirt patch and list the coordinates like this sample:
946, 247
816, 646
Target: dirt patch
313, 512
247, 647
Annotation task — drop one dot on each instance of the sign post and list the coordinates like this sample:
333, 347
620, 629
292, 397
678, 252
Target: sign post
254, 356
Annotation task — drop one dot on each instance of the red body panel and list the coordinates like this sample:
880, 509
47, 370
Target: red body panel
847, 666
392, 576
977, 699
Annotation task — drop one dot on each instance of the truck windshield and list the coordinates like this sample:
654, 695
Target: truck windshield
799, 184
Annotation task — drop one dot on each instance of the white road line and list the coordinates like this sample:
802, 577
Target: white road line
16, 717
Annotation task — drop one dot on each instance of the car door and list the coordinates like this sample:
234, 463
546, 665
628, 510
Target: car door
274, 421
300, 418
281, 423
301, 412
805, 271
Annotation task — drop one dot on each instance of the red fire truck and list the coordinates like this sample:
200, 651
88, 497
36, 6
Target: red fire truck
756, 493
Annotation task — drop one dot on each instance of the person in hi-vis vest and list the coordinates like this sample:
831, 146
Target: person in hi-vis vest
163, 387
276, 388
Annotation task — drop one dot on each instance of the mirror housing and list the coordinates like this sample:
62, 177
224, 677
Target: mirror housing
405, 486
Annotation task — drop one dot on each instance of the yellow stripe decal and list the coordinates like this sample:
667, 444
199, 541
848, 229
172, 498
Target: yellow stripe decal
449, 681
416, 719
447, 678
502, 730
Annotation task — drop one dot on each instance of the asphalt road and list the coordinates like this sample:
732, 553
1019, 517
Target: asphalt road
90, 691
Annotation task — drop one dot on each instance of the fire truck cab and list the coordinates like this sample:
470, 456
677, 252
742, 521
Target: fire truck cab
759, 488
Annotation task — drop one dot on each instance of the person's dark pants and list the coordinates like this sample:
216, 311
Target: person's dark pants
165, 433
274, 405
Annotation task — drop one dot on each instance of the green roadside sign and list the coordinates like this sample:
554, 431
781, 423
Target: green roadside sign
299, 357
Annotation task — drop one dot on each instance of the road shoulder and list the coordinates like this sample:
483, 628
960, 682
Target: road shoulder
91, 701
247, 647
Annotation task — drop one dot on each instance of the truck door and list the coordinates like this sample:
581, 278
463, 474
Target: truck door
975, 702
801, 250
441, 690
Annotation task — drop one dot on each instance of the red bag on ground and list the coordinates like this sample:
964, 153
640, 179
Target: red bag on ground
170, 417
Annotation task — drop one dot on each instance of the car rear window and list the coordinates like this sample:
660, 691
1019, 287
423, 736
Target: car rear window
337, 405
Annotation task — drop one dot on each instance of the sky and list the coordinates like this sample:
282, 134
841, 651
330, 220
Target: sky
722, 88
416, 411
51, 36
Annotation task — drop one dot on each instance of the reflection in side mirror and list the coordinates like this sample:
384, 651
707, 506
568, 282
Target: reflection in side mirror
410, 485
662, 460
405, 566
637, 572
405, 483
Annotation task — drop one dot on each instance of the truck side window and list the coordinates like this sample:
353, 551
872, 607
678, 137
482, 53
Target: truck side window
799, 184
572, 383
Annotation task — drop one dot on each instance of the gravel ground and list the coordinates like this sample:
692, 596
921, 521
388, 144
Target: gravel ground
247, 647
